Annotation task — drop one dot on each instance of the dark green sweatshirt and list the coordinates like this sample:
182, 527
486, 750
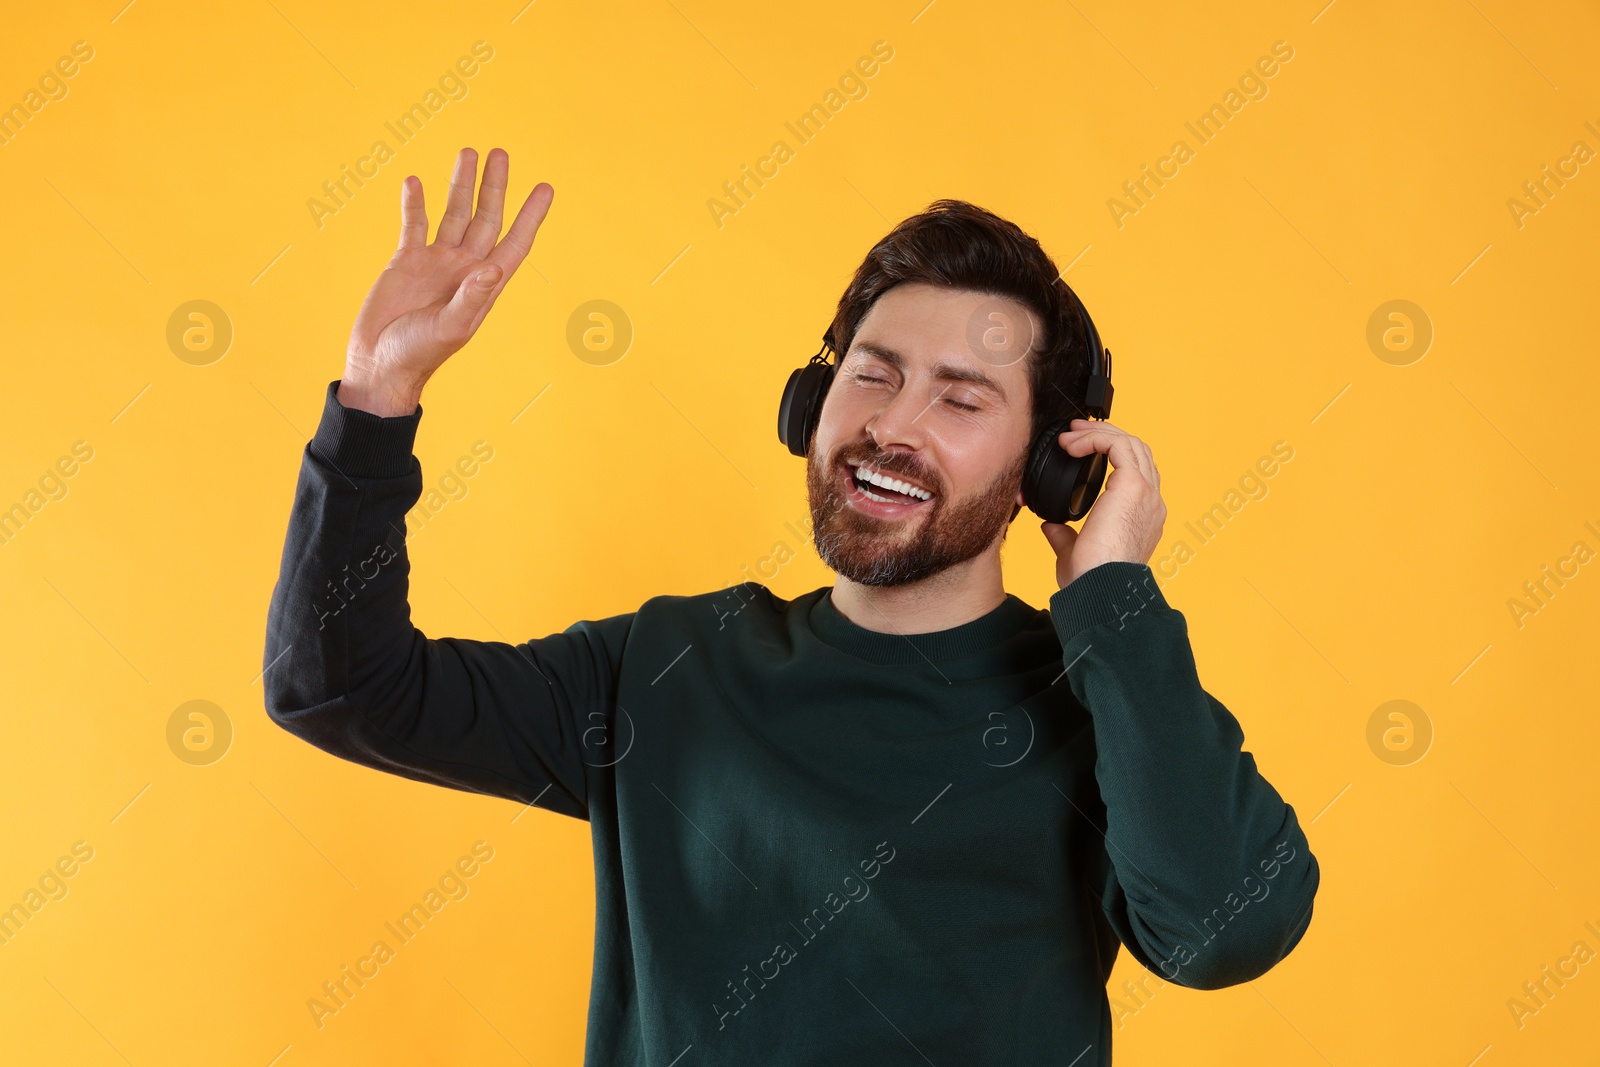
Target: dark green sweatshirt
816, 843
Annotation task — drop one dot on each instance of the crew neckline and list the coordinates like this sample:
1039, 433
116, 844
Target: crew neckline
890, 649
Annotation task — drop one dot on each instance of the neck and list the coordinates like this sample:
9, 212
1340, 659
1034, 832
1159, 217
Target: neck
942, 601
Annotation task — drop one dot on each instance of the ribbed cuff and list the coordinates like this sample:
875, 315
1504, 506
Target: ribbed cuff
361, 444
1111, 594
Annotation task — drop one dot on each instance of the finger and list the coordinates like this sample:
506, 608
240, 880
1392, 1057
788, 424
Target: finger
1061, 537
1094, 424
1083, 426
458, 209
1149, 463
458, 320
518, 241
1144, 462
413, 214
484, 229
1118, 446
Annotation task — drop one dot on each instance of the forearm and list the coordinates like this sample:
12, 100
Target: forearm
338, 622
349, 673
1213, 863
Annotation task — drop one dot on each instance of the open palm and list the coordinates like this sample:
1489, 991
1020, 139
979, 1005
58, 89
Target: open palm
430, 299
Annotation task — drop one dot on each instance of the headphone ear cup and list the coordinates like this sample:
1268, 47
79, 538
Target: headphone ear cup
801, 404
1058, 486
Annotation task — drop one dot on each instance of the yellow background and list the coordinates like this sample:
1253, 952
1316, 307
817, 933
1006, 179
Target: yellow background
1419, 500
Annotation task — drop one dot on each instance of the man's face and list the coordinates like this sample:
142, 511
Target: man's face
933, 392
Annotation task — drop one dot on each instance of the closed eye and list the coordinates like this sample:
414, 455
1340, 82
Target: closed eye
858, 376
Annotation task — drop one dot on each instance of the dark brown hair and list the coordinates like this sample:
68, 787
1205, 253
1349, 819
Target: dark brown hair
962, 246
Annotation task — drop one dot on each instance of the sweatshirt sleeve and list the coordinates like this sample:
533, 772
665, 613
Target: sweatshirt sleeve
1210, 878
347, 671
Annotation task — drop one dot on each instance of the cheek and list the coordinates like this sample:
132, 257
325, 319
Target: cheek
844, 405
843, 419
975, 463
836, 415
970, 457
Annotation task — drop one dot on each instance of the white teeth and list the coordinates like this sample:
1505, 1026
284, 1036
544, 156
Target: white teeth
869, 475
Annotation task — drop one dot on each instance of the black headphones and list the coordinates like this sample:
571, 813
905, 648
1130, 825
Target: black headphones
1057, 486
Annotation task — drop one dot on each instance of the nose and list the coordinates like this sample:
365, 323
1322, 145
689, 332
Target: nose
898, 422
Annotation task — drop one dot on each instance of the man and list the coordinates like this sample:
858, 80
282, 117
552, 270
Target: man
906, 819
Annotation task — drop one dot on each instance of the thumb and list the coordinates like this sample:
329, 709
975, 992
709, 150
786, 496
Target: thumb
471, 296
1061, 537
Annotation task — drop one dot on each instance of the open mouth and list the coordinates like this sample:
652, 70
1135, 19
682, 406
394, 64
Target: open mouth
879, 493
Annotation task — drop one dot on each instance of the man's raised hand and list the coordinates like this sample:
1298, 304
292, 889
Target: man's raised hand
429, 300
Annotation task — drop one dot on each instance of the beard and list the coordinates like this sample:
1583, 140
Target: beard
881, 552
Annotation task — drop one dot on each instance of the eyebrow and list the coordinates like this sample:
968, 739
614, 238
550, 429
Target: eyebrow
943, 371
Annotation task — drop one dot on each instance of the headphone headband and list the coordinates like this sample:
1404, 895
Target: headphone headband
1097, 395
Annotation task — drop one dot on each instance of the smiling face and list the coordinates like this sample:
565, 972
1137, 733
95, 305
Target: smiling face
919, 451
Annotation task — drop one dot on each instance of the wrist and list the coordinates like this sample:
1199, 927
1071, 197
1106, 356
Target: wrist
371, 393
1110, 594
359, 443
1083, 567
